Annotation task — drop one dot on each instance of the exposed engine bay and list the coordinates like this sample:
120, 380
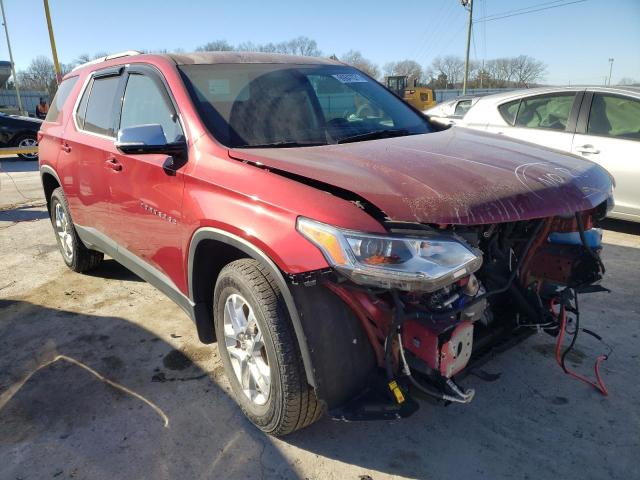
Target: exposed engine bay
529, 279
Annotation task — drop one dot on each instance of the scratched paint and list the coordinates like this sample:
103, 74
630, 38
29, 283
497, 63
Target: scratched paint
456, 176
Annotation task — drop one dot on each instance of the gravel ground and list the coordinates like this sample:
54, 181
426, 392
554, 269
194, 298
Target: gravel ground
102, 377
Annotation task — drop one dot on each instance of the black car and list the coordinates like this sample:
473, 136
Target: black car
16, 131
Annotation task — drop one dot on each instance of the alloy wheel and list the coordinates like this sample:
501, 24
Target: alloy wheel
28, 142
64, 231
245, 344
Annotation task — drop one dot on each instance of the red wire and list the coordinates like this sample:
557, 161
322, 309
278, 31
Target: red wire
600, 384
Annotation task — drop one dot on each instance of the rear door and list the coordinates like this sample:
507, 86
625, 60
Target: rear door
50, 135
548, 120
146, 194
608, 133
82, 161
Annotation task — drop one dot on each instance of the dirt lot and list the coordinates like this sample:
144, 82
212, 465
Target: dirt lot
136, 396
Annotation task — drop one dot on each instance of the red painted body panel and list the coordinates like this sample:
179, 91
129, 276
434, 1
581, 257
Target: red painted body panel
457, 176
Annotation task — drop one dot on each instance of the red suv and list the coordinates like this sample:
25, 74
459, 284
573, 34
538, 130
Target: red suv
341, 250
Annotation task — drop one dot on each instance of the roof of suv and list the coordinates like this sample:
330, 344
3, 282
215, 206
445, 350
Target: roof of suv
208, 58
246, 57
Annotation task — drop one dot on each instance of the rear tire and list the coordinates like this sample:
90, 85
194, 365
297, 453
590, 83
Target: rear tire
27, 140
77, 257
246, 291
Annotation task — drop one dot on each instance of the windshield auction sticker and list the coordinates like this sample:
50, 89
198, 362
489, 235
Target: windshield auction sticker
349, 78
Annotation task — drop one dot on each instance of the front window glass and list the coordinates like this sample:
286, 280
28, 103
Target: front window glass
462, 107
614, 116
99, 113
145, 103
281, 105
546, 111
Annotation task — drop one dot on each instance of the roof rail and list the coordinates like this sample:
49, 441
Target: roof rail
128, 53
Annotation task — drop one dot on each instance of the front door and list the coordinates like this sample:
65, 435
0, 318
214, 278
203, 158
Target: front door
146, 195
610, 136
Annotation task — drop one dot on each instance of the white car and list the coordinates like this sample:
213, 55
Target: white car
601, 124
451, 111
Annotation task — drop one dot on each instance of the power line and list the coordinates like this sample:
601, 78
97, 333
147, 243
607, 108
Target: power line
521, 9
437, 33
430, 32
529, 11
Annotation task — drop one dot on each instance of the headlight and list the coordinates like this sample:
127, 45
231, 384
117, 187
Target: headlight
426, 263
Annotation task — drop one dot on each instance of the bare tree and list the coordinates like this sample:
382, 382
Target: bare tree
450, 67
500, 71
629, 81
215, 46
303, 46
527, 70
296, 46
39, 75
410, 68
355, 59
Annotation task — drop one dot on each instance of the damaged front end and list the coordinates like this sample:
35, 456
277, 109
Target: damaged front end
432, 298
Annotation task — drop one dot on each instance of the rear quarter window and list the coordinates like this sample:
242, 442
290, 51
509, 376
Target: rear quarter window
509, 110
59, 100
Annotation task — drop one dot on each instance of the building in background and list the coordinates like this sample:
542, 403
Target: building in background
8, 98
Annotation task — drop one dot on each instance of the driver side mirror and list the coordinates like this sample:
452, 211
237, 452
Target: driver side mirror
143, 139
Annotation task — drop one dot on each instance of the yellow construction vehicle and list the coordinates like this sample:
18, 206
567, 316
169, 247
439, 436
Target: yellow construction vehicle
407, 88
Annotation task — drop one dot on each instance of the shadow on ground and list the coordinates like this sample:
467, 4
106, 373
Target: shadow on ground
621, 226
23, 213
110, 269
16, 164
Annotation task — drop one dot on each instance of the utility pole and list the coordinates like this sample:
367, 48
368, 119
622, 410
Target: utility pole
468, 5
610, 69
13, 68
53, 43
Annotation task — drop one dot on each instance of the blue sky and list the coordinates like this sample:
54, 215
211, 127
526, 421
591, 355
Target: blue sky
575, 41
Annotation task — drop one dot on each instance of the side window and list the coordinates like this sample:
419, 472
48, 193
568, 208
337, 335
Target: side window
99, 113
82, 108
145, 103
550, 112
462, 107
509, 111
614, 116
60, 98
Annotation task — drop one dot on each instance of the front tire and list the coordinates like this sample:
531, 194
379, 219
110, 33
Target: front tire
259, 350
77, 257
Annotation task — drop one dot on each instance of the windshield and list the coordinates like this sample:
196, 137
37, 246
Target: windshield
286, 105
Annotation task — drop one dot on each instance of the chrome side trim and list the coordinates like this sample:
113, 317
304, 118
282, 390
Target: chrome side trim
257, 254
96, 240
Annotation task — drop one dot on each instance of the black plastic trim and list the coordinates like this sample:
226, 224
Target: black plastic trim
583, 116
209, 233
47, 169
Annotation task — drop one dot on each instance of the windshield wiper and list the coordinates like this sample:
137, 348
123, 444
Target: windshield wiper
387, 133
287, 144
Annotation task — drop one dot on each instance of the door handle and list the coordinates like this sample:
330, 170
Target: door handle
587, 149
113, 164
66, 148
